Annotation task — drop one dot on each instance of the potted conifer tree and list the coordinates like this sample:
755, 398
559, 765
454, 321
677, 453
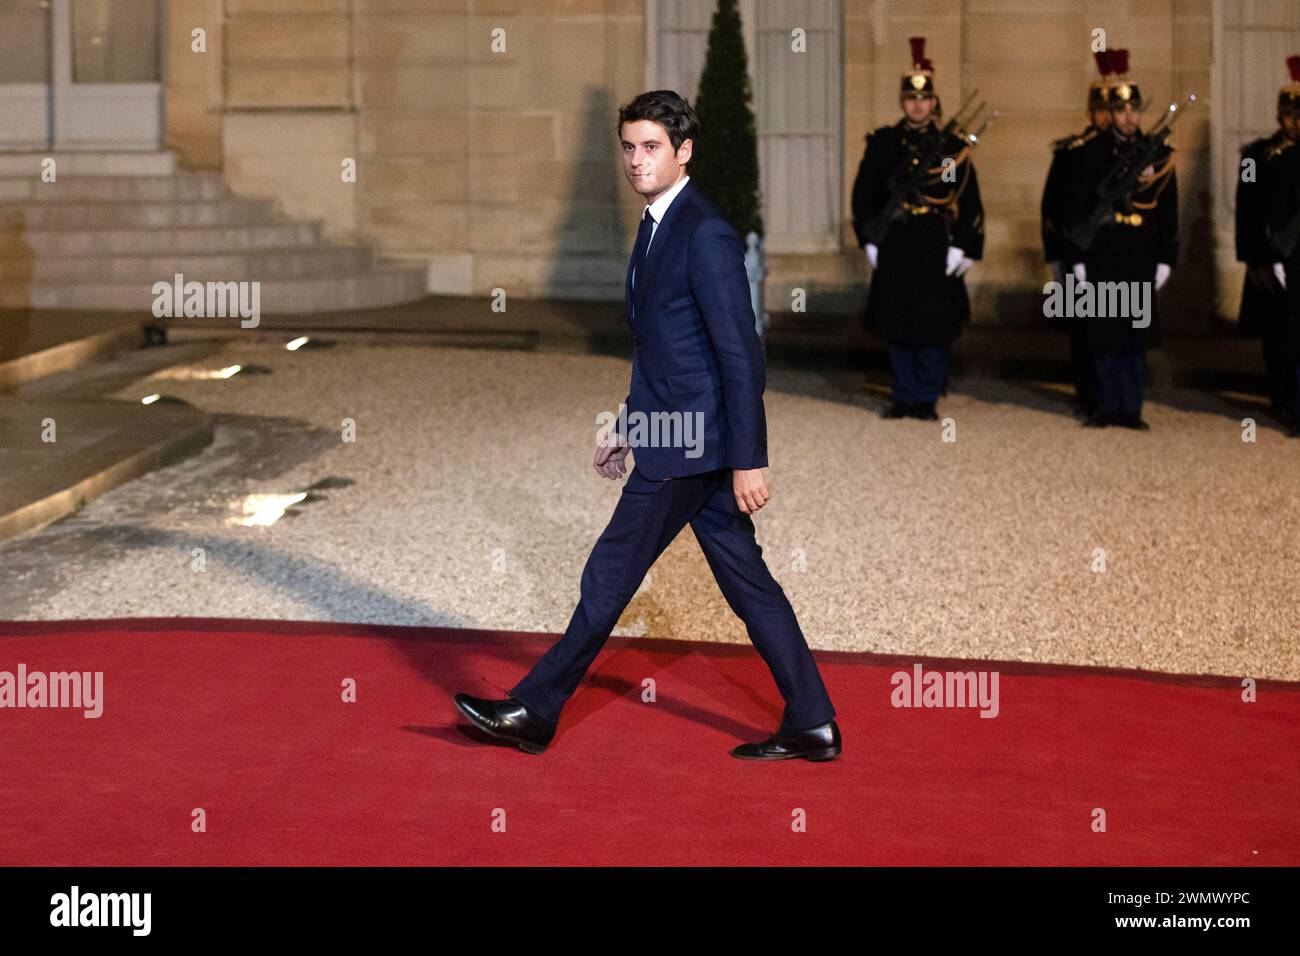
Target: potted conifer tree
725, 161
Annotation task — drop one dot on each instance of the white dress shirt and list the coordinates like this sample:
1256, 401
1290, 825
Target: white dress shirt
657, 210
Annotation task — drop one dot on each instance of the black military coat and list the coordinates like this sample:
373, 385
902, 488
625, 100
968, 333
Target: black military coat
1283, 207
1127, 251
1261, 305
911, 300
1052, 207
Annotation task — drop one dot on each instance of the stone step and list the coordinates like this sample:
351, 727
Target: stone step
190, 186
114, 224
83, 215
56, 342
157, 163
217, 266
107, 444
35, 243
385, 285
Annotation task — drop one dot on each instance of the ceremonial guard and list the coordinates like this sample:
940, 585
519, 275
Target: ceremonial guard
1263, 302
1052, 209
1283, 205
917, 215
1122, 227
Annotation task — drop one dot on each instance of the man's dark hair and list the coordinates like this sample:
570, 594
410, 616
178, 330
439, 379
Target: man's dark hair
666, 108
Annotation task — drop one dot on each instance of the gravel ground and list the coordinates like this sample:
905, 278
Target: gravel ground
468, 500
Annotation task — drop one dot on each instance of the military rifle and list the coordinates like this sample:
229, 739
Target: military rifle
1122, 180
905, 184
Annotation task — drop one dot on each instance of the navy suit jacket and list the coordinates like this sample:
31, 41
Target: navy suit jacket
694, 346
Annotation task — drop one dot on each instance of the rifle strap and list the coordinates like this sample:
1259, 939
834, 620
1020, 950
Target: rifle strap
1161, 175
957, 158
951, 198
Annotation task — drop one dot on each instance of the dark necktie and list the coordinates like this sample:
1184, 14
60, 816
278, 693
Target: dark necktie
642, 243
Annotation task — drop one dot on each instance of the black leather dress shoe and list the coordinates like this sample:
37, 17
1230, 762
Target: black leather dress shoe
1096, 420
896, 410
925, 412
817, 743
509, 720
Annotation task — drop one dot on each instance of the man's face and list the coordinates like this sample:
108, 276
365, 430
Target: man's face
650, 163
918, 111
1125, 119
1289, 120
1101, 118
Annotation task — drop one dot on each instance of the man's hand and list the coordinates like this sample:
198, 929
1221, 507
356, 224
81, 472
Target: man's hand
872, 253
1279, 270
611, 458
1080, 273
750, 489
1162, 274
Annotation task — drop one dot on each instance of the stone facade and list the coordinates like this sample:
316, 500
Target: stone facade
498, 168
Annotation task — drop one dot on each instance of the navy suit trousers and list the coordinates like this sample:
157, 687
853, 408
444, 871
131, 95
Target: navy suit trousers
649, 515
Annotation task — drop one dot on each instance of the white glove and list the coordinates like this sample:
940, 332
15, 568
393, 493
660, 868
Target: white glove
1080, 273
955, 256
1279, 270
1162, 275
872, 253
965, 264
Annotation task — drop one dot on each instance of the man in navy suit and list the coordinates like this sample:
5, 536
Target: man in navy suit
697, 380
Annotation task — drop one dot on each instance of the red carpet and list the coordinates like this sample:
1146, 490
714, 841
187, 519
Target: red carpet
244, 719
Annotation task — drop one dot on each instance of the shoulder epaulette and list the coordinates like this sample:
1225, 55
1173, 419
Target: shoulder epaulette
1280, 148
1083, 138
1258, 145
1073, 142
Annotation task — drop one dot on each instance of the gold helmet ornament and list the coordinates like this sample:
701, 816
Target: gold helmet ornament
1098, 90
1288, 97
1123, 91
918, 83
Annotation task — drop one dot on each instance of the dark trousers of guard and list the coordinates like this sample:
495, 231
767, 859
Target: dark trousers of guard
1264, 308
1121, 376
1279, 364
1287, 352
649, 515
1292, 355
1083, 371
920, 373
